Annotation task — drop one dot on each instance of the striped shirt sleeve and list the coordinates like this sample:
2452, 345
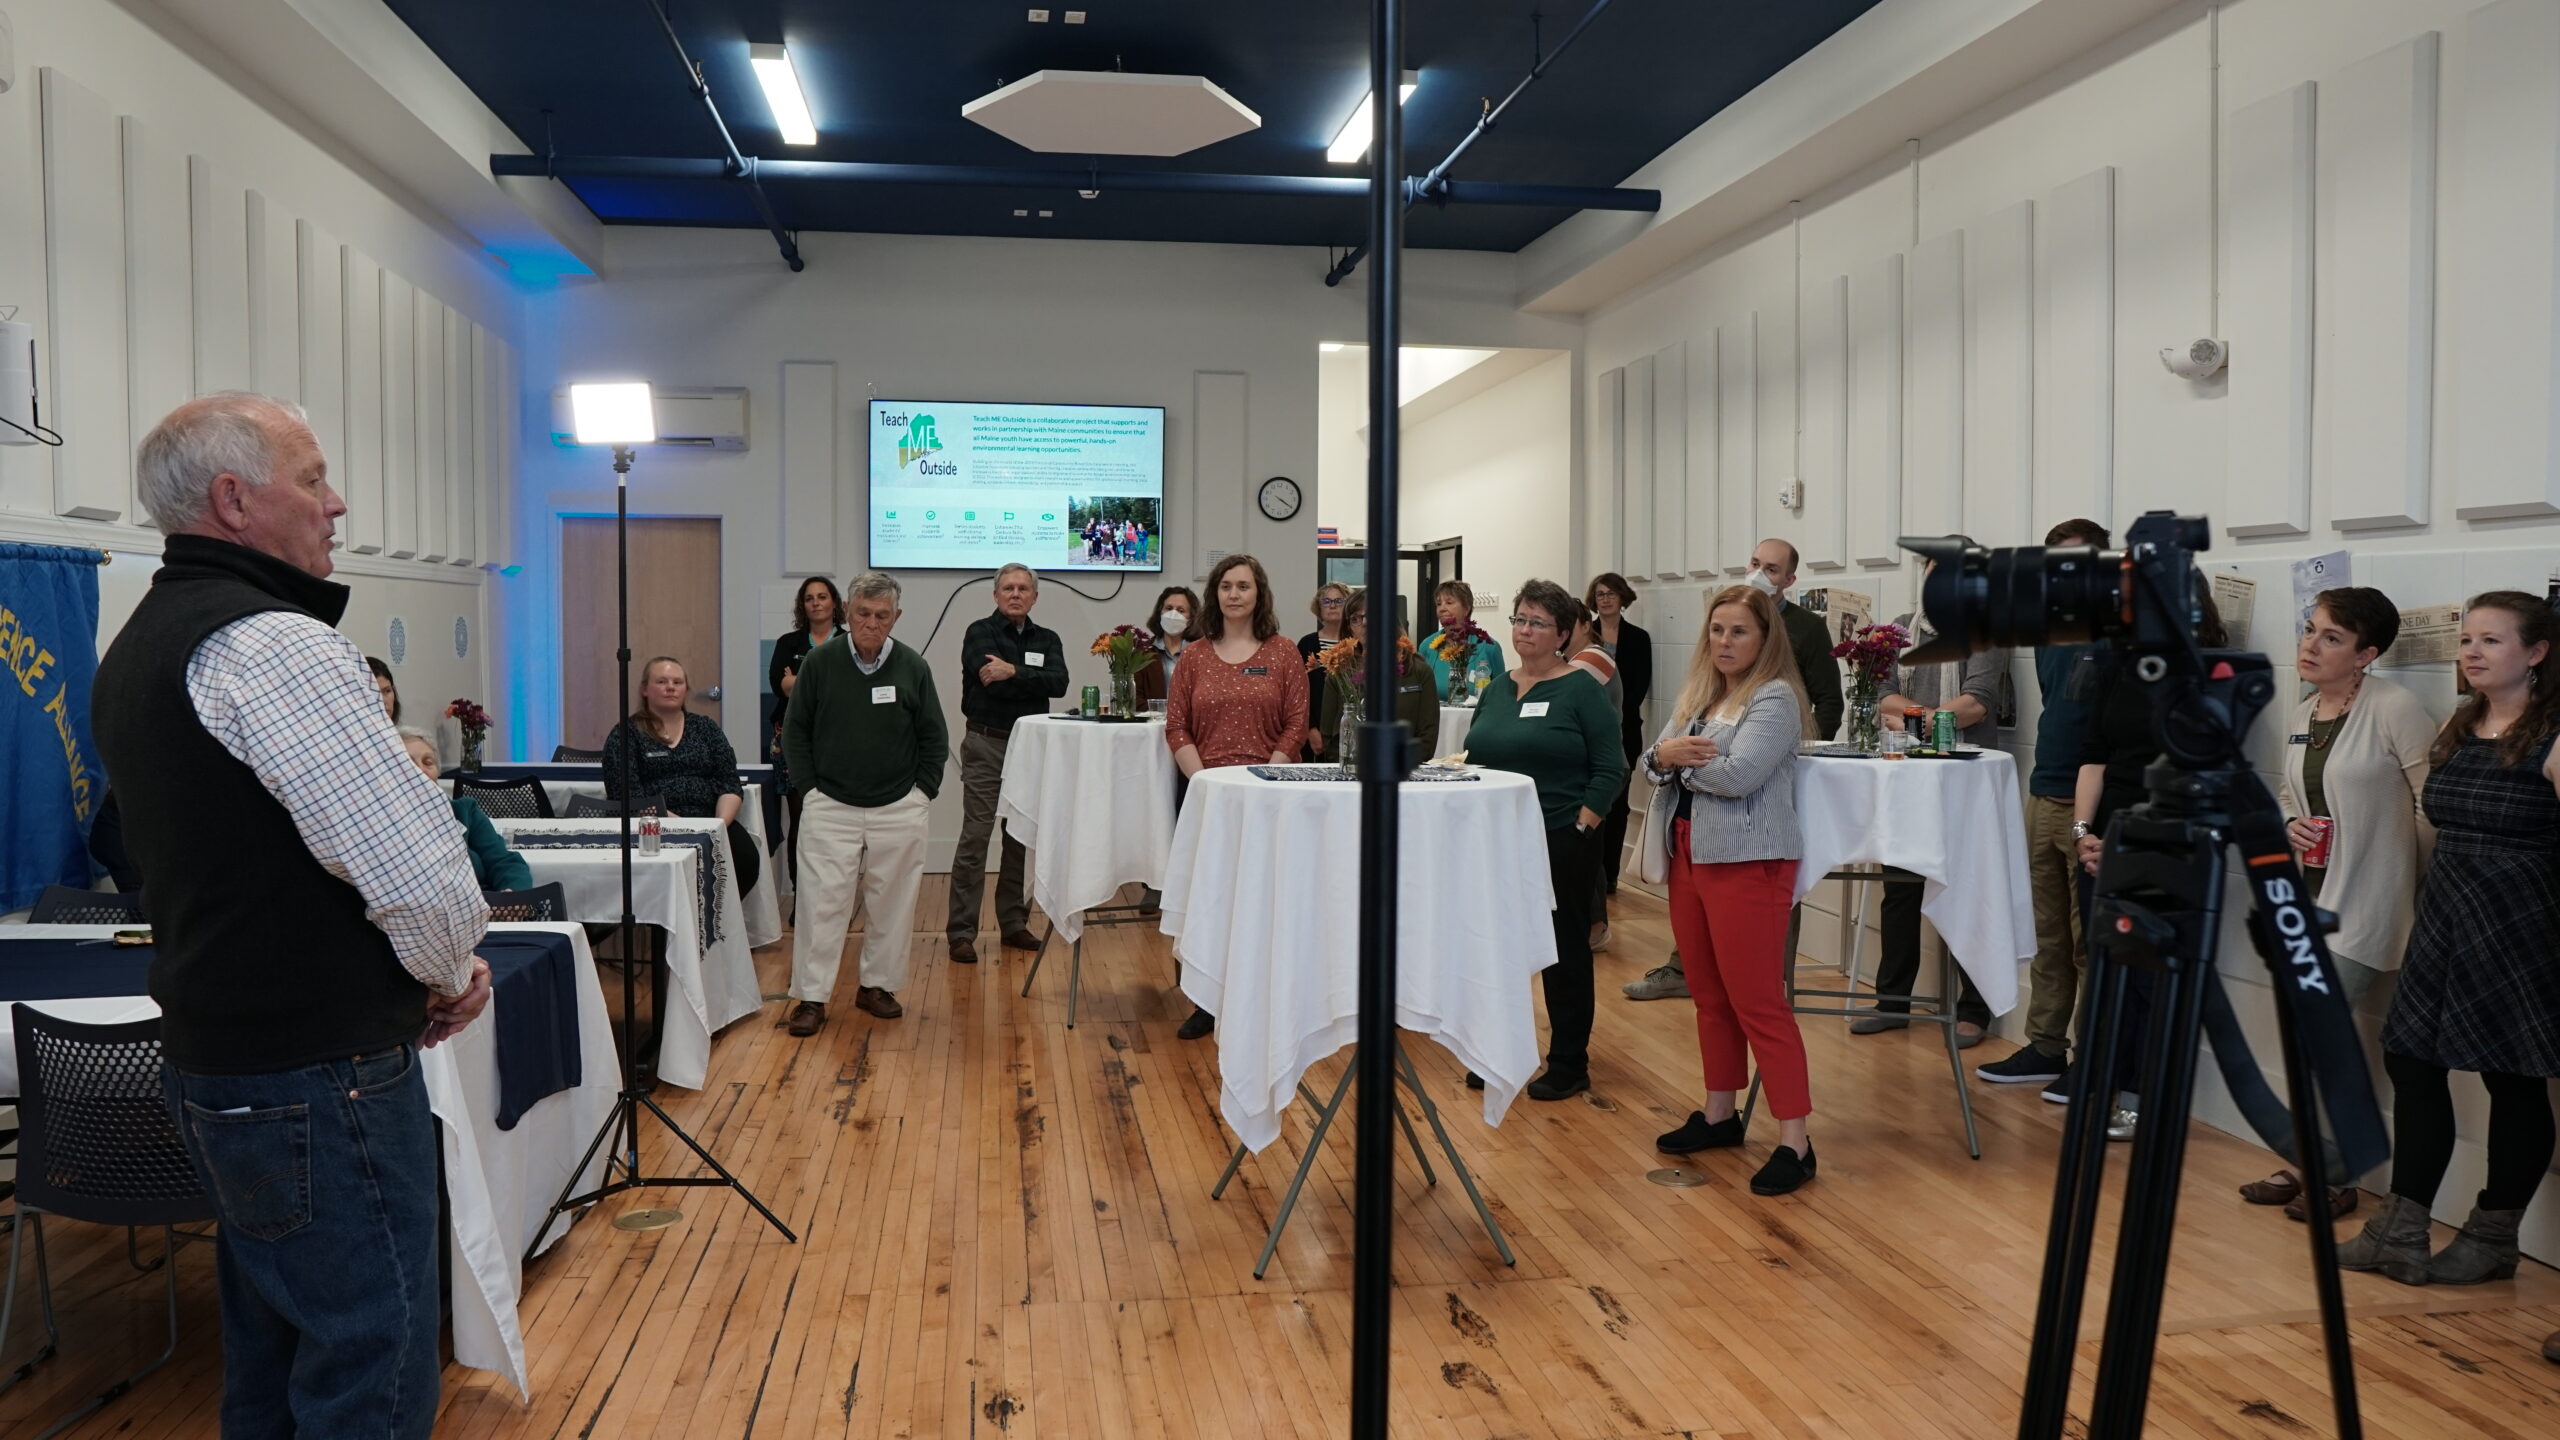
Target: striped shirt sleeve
290, 698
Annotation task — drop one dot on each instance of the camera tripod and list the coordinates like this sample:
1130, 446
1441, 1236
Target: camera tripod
2157, 906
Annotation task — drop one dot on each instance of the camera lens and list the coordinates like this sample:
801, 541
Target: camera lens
2017, 596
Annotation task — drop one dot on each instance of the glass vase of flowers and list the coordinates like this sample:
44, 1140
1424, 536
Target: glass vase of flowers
1458, 646
1346, 671
1870, 653
474, 723
1127, 649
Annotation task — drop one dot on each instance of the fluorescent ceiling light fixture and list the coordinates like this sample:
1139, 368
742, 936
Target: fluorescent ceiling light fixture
614, 414
1353, 142
782, 92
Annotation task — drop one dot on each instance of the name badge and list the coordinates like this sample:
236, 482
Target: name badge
884, 694
1413, 689
1534, 710
2303, 739
1257, 669
1032, 659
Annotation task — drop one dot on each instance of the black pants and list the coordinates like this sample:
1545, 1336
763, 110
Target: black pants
791, 849
1901, 963
746, 857
2520, 1132
1571, 862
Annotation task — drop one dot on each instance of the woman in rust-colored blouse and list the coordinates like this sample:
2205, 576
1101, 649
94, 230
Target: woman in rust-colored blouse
1239, 693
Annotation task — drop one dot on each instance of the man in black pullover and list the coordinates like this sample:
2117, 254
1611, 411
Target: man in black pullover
1009, 667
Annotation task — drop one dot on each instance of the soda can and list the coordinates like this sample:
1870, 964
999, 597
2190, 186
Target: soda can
1942, 730
650, 834
2324, 832
1092, 701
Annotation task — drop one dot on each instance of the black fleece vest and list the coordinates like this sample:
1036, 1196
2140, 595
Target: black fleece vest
265, 961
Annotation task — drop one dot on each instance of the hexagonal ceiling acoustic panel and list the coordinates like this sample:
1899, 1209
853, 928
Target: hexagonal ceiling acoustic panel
1108, 112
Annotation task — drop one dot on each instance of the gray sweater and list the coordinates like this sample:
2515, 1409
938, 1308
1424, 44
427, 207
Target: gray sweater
1743, 802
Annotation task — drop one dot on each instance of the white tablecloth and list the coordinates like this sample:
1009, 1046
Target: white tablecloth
715, 985
1262, 899
500, 1182
1454, 720
763, 904
1955, 823
1095, 804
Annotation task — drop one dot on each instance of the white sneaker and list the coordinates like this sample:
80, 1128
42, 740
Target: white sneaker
2122, 1122
1662, 982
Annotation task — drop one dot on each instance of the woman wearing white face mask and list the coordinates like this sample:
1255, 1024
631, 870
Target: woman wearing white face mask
1175, 610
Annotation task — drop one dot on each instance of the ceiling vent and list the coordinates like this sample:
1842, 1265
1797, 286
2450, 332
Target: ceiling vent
1110, 112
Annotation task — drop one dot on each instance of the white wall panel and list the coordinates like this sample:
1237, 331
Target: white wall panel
1671, 461
275, 324
500, 524
399, 418
1218, 463
159, 359
1875, 412
460, 468
1609, 463
319, 267
2076, 335
1823, 452
358, 464
218, 259
1999, 391
2376, 365
432, 429
808, 467
1933, 426
1738, 435
2506, 306
2268, 203
1704, 447
483, 468
85, 272
1635, 452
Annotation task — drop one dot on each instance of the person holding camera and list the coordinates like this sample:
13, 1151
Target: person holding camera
2479, 986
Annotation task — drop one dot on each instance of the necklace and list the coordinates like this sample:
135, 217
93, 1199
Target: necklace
2337, 722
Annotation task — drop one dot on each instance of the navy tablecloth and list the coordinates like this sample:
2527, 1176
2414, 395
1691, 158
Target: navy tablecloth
72, 969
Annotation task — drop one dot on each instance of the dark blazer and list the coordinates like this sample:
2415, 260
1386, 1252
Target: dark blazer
1635, 682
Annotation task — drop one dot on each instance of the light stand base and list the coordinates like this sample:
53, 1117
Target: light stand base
655, 1218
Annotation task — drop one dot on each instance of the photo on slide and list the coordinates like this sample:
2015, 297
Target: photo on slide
1115, 530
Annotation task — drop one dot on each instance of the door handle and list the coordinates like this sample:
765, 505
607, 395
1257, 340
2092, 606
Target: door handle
711, 694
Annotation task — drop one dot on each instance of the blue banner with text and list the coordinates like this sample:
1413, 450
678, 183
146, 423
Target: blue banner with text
50, 783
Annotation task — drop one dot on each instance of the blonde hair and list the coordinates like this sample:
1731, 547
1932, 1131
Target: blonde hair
1708, 690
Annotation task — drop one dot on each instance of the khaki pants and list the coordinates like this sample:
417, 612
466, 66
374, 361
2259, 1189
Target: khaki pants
2053, 979
848, 853
981, 778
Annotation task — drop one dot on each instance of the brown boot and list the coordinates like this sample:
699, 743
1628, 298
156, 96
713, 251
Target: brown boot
2394, 1242
806, 1017
1021, 938
964, 952
878, 1002
2484, 1250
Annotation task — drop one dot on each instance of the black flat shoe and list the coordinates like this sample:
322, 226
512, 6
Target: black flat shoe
1785, 1171
1474, 1081
1554, 1085
1696, 1135
1200, 1023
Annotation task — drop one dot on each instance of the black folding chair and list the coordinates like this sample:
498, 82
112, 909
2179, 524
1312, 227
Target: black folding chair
590, 807
542, 902
62, 905
522, 799
98, 1146
572, 755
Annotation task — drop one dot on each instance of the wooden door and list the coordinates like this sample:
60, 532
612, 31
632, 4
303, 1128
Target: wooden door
675, 610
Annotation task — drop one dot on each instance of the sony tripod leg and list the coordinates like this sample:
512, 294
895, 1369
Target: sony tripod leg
2311, 1163
2077, 1174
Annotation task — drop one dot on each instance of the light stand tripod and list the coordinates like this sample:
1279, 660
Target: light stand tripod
624, 1121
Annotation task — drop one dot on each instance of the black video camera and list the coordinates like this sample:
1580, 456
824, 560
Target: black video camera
2143, 597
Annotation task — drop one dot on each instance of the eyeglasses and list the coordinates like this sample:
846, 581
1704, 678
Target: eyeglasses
1330, 601
1531, 622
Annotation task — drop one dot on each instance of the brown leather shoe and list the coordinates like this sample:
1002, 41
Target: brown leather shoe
2551, 1347
2282, 1188
1021, 939
806, 1017
2343, 1200
878, 1002
964, 952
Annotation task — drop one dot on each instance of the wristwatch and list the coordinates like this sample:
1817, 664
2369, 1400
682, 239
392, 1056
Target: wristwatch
2082, 829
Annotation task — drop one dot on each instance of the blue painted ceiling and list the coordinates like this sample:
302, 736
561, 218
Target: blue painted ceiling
597, 77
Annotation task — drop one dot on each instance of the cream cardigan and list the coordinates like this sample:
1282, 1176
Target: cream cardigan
2374, 779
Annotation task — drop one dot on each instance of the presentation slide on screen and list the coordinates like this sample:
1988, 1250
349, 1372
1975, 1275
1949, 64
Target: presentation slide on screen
966, 486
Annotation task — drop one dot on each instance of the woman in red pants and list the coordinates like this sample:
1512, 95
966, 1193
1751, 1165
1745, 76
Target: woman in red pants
1723, 827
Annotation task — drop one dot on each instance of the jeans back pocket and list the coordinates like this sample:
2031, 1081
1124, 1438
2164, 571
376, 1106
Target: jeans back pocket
260, 1161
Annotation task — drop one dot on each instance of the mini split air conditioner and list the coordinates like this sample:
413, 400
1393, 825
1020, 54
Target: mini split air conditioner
703, 418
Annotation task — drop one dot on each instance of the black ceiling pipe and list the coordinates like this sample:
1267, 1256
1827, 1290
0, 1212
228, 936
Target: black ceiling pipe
736, 167
1180, 182
1438, 186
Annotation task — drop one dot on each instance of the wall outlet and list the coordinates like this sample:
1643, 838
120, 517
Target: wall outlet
1791, 494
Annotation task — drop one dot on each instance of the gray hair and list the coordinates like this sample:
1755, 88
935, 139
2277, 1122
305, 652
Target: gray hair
230, 433
1013, 566
873, 585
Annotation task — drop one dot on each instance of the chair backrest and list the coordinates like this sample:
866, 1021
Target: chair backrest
572, 755
62, 905
523, 799
583, 807
542, 902
96, 1141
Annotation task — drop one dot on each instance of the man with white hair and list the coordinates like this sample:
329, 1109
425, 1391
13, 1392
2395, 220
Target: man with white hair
866, 745
313, 913
1010, 666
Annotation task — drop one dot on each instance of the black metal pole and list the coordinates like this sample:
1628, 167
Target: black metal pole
737, 166
1382, 747
622, 457
2311, 1162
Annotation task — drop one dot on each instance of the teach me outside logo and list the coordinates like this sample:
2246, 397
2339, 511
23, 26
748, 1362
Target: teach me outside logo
920, 442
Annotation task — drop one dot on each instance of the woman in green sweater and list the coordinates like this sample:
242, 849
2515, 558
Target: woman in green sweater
496, 866
1554, 724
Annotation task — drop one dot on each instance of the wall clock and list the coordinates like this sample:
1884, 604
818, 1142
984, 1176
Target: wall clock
1280, 498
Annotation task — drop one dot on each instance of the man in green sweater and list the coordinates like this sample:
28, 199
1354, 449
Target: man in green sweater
866, 743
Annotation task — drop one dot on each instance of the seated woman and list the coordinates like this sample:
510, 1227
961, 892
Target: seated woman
496, 866
684, 759
1416, 703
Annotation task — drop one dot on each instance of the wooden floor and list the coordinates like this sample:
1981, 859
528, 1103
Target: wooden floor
1007, 1231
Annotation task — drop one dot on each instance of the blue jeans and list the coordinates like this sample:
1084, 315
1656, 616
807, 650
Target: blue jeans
325, 1179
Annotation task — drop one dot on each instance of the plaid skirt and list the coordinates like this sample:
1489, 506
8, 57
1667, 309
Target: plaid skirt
2480, 989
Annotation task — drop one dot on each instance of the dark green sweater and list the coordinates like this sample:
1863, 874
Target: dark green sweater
865, 740
1571, 749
